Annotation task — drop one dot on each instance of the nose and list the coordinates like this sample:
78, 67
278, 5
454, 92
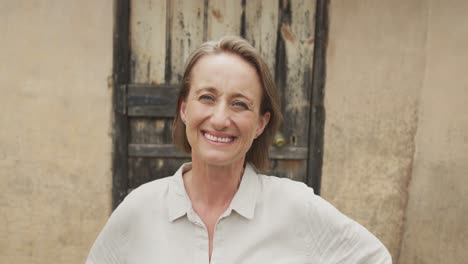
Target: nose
220, 117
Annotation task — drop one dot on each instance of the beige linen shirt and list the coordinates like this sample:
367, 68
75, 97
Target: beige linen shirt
270, 220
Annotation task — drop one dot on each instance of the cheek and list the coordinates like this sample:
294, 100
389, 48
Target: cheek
196, 117
249, 125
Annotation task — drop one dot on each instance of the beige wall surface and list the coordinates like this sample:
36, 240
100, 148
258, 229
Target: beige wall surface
436, 228
55, 143
375, 67
396, 103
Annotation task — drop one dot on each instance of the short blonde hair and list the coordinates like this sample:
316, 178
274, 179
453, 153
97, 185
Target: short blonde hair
258, 152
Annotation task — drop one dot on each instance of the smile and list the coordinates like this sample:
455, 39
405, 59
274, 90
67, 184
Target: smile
218, 139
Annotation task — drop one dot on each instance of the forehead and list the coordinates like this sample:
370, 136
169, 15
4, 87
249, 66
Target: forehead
225, 71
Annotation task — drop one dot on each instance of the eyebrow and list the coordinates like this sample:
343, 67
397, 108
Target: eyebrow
216, 91
206, 89
237, 95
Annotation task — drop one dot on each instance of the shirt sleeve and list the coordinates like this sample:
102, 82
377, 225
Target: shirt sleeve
358, 245
110, 245
365, 248
343, 240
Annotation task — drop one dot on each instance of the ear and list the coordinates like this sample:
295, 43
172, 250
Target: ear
263, 122
183, 108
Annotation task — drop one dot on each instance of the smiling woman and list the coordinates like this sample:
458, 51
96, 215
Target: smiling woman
218, 208
222, 110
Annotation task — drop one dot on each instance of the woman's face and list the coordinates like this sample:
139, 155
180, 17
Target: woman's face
222, 109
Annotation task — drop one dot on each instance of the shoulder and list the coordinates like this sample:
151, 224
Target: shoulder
156, 190
287, 192
299, 197
296, 199
148, 194
149, 189
329, 232
131, 218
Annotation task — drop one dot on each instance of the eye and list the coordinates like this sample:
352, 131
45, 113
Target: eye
206, 98
240, 105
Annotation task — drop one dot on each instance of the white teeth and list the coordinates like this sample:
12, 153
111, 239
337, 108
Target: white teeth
218, 139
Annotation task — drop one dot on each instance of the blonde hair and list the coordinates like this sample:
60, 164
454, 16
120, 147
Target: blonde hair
258, 152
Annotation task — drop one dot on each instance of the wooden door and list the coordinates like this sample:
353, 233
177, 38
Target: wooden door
154, 38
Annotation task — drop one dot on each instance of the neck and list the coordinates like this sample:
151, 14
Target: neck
213, 186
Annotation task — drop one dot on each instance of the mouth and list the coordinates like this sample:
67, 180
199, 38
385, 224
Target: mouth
218, 139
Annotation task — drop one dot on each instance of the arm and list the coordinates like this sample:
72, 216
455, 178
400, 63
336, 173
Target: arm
357, 245
343, 240
110, 245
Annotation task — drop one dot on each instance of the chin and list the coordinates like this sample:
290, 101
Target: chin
219, 159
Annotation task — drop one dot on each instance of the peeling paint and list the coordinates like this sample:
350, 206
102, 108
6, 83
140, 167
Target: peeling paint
159, 126
217, 14
140, 125
287, 33
110, 82
297, 103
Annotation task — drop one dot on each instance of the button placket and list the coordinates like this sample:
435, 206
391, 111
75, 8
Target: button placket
218, 240
201, 232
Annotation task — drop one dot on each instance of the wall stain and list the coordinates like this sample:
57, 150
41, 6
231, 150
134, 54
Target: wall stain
217, 14
287, 33
406, 182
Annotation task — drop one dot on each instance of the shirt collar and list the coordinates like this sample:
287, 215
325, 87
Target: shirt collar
245, 199
179, 203
243, 202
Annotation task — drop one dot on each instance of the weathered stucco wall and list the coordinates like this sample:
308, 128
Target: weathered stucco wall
396, 102
375, 68
436, 227
55, 143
